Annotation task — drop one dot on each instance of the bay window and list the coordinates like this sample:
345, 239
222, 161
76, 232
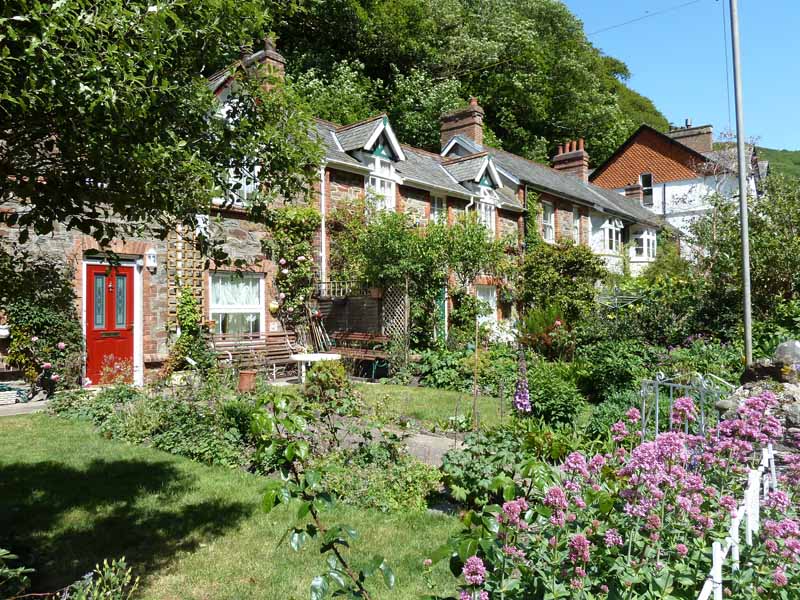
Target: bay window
237, 302
645, 244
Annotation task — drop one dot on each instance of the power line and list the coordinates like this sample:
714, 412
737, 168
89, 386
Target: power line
647, 15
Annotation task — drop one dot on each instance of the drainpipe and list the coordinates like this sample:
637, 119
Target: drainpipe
323, 255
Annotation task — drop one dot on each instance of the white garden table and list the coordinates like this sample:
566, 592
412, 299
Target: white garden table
307, 358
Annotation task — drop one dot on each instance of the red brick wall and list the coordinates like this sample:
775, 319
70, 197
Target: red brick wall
649, 153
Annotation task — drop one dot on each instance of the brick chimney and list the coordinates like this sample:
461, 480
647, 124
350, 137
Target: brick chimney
634, 192
572, 159
467, 121
699, 139
276, 64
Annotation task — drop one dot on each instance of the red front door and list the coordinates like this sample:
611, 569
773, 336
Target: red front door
109, 320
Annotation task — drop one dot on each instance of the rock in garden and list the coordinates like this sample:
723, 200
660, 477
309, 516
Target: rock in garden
788, 353
792, 412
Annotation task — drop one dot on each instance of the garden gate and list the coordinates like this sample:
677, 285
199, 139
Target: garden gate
659, 395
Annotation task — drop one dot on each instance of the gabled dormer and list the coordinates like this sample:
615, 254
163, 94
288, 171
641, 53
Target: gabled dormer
374, 144
478, 174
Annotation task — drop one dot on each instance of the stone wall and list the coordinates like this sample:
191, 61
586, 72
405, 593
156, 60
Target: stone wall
416, 203
507, 224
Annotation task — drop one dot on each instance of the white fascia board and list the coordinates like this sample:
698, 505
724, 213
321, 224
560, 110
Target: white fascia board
343, 166
463, 142
435, 188
507, 174
336, 141
385, 126
488, 163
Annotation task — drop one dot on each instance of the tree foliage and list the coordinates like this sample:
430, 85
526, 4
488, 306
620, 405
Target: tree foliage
538, 78
106, 113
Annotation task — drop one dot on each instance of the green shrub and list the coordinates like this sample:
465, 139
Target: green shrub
707, 357
71, 404
609, 411
610, 366
442, 369
111, 581
195, 431
379, 476
554, 396
14, 580
191, 344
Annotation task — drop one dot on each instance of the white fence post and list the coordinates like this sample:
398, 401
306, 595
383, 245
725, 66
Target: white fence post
716, 569
773, 475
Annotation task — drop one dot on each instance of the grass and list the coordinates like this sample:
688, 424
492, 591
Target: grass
432, 407
69, 498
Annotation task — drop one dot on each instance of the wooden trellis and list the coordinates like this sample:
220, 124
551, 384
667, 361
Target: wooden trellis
185, 268
395, 312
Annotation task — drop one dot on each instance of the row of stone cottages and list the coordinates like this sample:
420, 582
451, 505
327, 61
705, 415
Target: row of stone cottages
127, 312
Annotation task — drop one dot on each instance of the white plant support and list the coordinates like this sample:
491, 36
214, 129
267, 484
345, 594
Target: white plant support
759, 482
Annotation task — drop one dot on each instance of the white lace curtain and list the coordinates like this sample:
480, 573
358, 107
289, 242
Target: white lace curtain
230, 290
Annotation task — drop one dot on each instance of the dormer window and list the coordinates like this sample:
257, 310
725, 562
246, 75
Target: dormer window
487, 208
381, 183
646, 181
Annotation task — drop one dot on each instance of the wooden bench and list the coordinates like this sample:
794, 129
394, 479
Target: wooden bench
270, 350
359, 346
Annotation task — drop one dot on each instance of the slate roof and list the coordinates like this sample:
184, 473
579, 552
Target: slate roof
465, 168
355, 136
333, 153
426, 168
546, 179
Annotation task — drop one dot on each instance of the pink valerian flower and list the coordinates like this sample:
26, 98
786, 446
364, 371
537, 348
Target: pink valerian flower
282, 262
61, 345
580, 571
579, 548
556, 498
474, 571
613, 538
576, 584
47, 366
35, 339
55, 377
683, 411
557, 323
300, 258
771, 546
619, 431
728, 503
513, 513
779, 501
576, 465
604, 588
779, 577
597, 462
634, 416
513, 552
681, 549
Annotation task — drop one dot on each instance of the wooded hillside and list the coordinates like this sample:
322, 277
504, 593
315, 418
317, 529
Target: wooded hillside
528, 61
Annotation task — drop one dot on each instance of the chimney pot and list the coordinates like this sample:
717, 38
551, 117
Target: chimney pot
560, 149
688, 122
572, 146
570, 162
580, 144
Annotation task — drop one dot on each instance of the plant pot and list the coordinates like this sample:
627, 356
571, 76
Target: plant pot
376, 293
274, 307
5, 332
247, 381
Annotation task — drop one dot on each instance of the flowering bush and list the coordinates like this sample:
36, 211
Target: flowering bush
636, 521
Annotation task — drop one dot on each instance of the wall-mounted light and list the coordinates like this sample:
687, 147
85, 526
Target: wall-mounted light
151, 259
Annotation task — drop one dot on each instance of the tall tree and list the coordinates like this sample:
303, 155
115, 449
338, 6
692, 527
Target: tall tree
107, 120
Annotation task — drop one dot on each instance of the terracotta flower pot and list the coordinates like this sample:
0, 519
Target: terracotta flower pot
247, 381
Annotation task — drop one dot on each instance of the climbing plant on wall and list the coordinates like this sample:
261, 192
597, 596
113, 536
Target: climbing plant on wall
290, 245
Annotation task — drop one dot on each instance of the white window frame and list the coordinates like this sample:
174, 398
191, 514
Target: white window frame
259, 308
612, 235
486, 208
645, 246
438, 209
576, 224
548, 222
647, 191
490, 292
381, 184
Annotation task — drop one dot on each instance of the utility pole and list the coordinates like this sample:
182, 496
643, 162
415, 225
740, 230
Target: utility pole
740, 151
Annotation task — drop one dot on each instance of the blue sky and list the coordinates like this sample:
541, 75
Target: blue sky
678, 60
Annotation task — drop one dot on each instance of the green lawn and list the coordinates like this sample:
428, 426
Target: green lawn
69, 498
430, 406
